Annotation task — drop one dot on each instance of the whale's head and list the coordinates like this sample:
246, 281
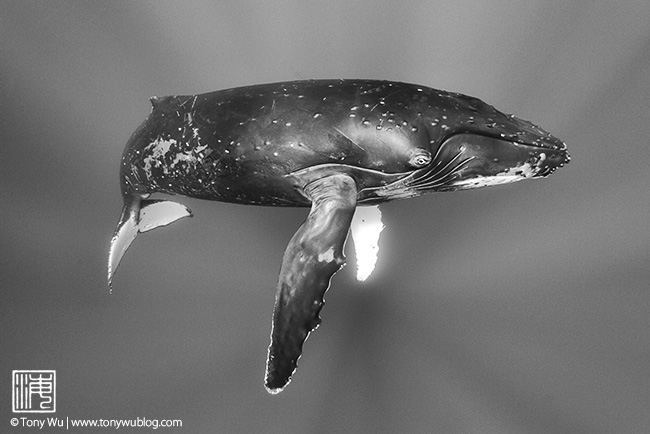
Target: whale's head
467, 161
472, 146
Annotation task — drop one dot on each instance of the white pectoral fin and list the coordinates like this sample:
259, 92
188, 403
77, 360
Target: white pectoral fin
140, 216
366, 227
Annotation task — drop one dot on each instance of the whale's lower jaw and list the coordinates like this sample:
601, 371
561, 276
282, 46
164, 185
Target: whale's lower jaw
515, 174
468, 161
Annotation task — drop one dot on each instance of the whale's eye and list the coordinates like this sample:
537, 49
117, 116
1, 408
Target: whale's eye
420, 158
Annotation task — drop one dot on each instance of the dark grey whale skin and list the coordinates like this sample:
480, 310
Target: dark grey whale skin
326, 144
241, 145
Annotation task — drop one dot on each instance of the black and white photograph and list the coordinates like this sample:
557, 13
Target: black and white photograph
313, 217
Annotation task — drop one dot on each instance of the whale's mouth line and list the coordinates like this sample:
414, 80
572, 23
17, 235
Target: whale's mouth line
500, 161
437, 174
462, 161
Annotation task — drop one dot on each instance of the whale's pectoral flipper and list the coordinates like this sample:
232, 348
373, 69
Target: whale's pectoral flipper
141, 215
312, 257
365, 228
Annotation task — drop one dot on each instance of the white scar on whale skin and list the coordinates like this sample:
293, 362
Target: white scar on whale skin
365, 227
160, 148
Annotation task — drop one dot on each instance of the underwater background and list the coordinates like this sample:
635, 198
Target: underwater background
522, 308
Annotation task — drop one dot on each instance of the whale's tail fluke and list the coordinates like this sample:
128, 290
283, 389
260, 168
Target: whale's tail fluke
140, 215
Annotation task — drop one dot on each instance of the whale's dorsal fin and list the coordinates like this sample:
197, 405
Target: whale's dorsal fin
313, 255
141, 216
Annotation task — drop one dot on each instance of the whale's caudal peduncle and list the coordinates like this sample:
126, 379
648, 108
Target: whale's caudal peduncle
331, 145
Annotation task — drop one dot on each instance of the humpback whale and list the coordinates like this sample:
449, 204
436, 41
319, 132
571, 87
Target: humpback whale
331, 145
